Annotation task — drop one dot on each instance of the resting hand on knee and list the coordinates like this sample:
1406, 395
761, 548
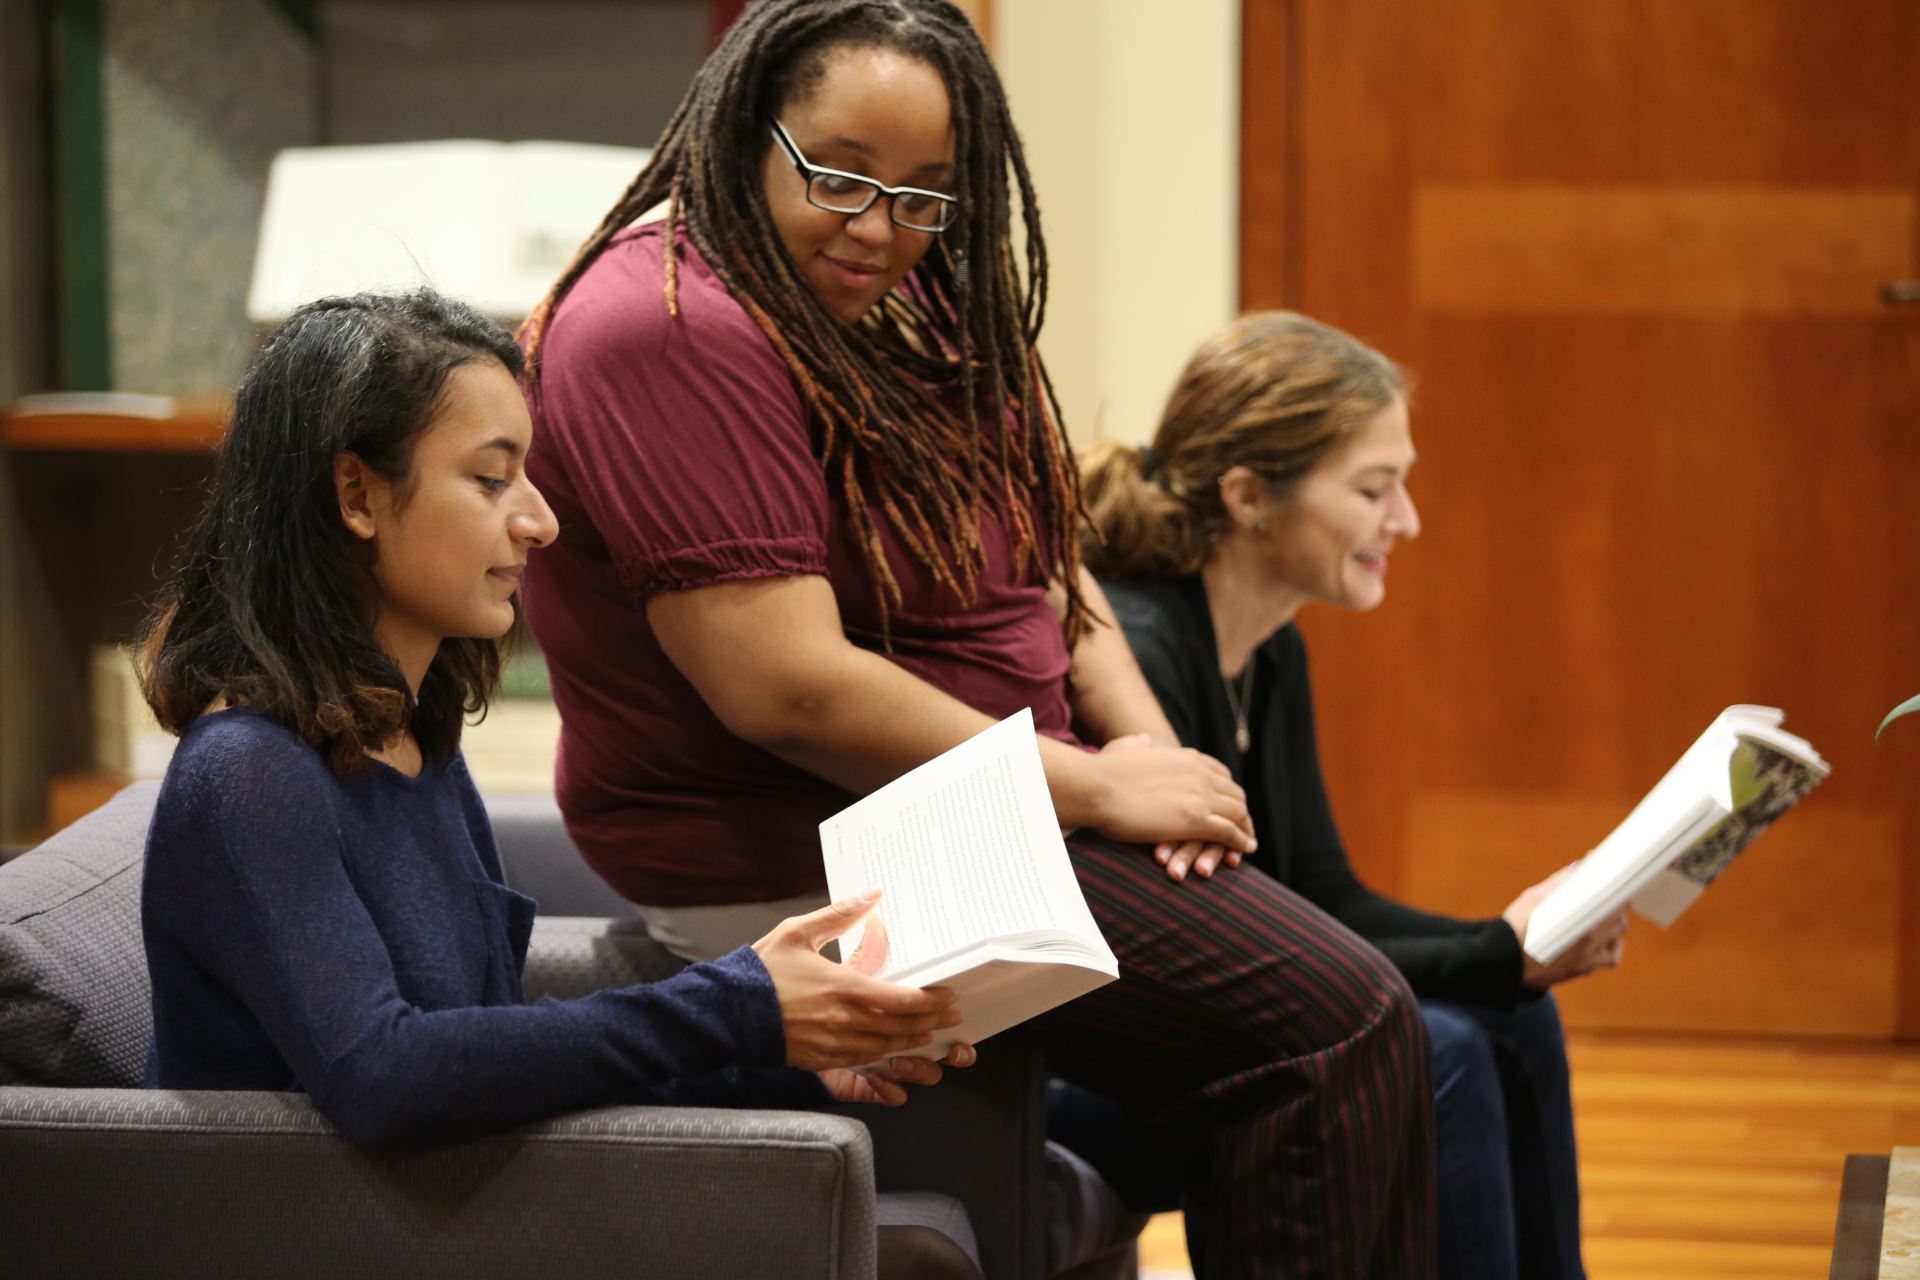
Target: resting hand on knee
1198, 856
1173, 795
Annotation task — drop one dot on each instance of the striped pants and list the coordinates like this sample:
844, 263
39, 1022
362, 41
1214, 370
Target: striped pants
1247, 1012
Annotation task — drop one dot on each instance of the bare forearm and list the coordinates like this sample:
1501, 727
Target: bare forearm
862, 721
868, 721
772, 662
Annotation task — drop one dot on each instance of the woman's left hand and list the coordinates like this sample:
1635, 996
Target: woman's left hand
1602, 948
1198, 856
885, 1087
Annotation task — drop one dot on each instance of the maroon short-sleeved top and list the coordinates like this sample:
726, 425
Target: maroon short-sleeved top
677, 454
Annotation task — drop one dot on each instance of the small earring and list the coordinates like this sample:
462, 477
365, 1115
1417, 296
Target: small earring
1259, 524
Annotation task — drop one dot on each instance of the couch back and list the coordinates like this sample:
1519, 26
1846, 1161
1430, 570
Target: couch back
538, 858
74, 1000
75, 1005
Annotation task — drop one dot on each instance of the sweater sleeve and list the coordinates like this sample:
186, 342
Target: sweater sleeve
1478, 961
245, 877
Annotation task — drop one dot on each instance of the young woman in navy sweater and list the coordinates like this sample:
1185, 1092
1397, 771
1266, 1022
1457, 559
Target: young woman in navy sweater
323, 906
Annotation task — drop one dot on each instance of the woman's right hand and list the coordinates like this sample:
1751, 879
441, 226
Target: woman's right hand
835, 1015
1169, 796
1601, 948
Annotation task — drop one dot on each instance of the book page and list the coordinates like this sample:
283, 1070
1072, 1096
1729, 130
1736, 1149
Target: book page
1687, 801
966, 847
1736, 778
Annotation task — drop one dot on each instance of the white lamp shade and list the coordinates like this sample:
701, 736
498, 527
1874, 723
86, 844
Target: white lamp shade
490, 223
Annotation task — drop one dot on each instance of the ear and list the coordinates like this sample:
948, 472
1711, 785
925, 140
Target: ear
361, 492
1246, 497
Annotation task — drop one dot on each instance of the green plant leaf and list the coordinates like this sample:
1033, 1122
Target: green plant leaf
1910, 705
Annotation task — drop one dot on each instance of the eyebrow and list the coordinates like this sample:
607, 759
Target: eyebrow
509, 447
844, 143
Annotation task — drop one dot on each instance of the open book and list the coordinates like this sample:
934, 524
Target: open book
1736, 778
980, 897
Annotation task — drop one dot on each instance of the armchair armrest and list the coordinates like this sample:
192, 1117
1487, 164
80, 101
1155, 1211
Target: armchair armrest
978, 1136
119, 1181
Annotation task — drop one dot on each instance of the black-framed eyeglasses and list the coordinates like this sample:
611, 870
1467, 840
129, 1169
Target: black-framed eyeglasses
838, 191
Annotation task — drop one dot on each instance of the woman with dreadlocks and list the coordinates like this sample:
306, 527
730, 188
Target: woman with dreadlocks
820, 526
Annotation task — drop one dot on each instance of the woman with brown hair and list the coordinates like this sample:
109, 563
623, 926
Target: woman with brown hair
1278, 477
820, 527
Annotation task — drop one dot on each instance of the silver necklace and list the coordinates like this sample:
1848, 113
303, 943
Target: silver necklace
1242, 736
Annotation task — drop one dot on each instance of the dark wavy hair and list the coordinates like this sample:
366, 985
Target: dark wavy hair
899, 400
271, 603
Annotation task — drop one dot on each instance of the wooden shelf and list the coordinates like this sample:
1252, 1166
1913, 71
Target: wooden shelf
195, 426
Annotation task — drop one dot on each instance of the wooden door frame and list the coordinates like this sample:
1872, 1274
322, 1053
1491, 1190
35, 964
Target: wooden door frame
1269, 155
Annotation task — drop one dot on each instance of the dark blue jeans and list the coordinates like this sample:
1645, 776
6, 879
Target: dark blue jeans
1509, 1183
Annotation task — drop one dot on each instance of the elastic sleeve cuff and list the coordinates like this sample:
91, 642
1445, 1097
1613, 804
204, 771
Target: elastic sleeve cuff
763, 1033
710, 564
1505, 951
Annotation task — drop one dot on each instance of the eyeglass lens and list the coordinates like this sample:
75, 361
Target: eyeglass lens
914, 210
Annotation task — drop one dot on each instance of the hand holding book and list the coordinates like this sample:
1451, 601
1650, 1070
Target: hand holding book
838, 1016
981, 897
1728, 787
1601, 948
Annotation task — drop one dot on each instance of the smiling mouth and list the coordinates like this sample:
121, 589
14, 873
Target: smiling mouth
856, 271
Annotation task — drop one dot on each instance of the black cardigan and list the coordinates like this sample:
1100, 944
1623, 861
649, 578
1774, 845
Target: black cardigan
1171, 630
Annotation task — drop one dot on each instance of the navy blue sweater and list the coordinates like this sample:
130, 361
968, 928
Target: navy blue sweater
351, 938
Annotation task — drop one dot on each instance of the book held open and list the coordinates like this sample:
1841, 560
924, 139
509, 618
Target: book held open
1728, 787
980, 895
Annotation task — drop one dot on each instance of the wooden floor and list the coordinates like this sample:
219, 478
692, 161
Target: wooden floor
1709, 1158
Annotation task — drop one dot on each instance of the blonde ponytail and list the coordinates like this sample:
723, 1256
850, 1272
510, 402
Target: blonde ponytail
1275, 392
1136, 529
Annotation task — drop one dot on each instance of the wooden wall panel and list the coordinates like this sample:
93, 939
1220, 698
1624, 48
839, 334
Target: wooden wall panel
1670, 451
1658, 249
1730, 964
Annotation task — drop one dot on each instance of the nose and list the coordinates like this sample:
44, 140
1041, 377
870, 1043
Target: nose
534, 523
873, 226
1406, 517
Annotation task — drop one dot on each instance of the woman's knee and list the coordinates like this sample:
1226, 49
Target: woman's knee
1540, 1044
1390, 1029
1466, 1075
1400, 1012
1537, 1022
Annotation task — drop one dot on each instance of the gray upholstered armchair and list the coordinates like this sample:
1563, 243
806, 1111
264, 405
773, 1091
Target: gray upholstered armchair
98, 1177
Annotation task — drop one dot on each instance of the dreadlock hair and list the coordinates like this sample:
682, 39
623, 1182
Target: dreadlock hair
1275, 392
882, 393
271, 603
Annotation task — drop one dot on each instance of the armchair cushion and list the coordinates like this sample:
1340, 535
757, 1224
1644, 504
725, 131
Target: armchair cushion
180, 1183
73, 971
